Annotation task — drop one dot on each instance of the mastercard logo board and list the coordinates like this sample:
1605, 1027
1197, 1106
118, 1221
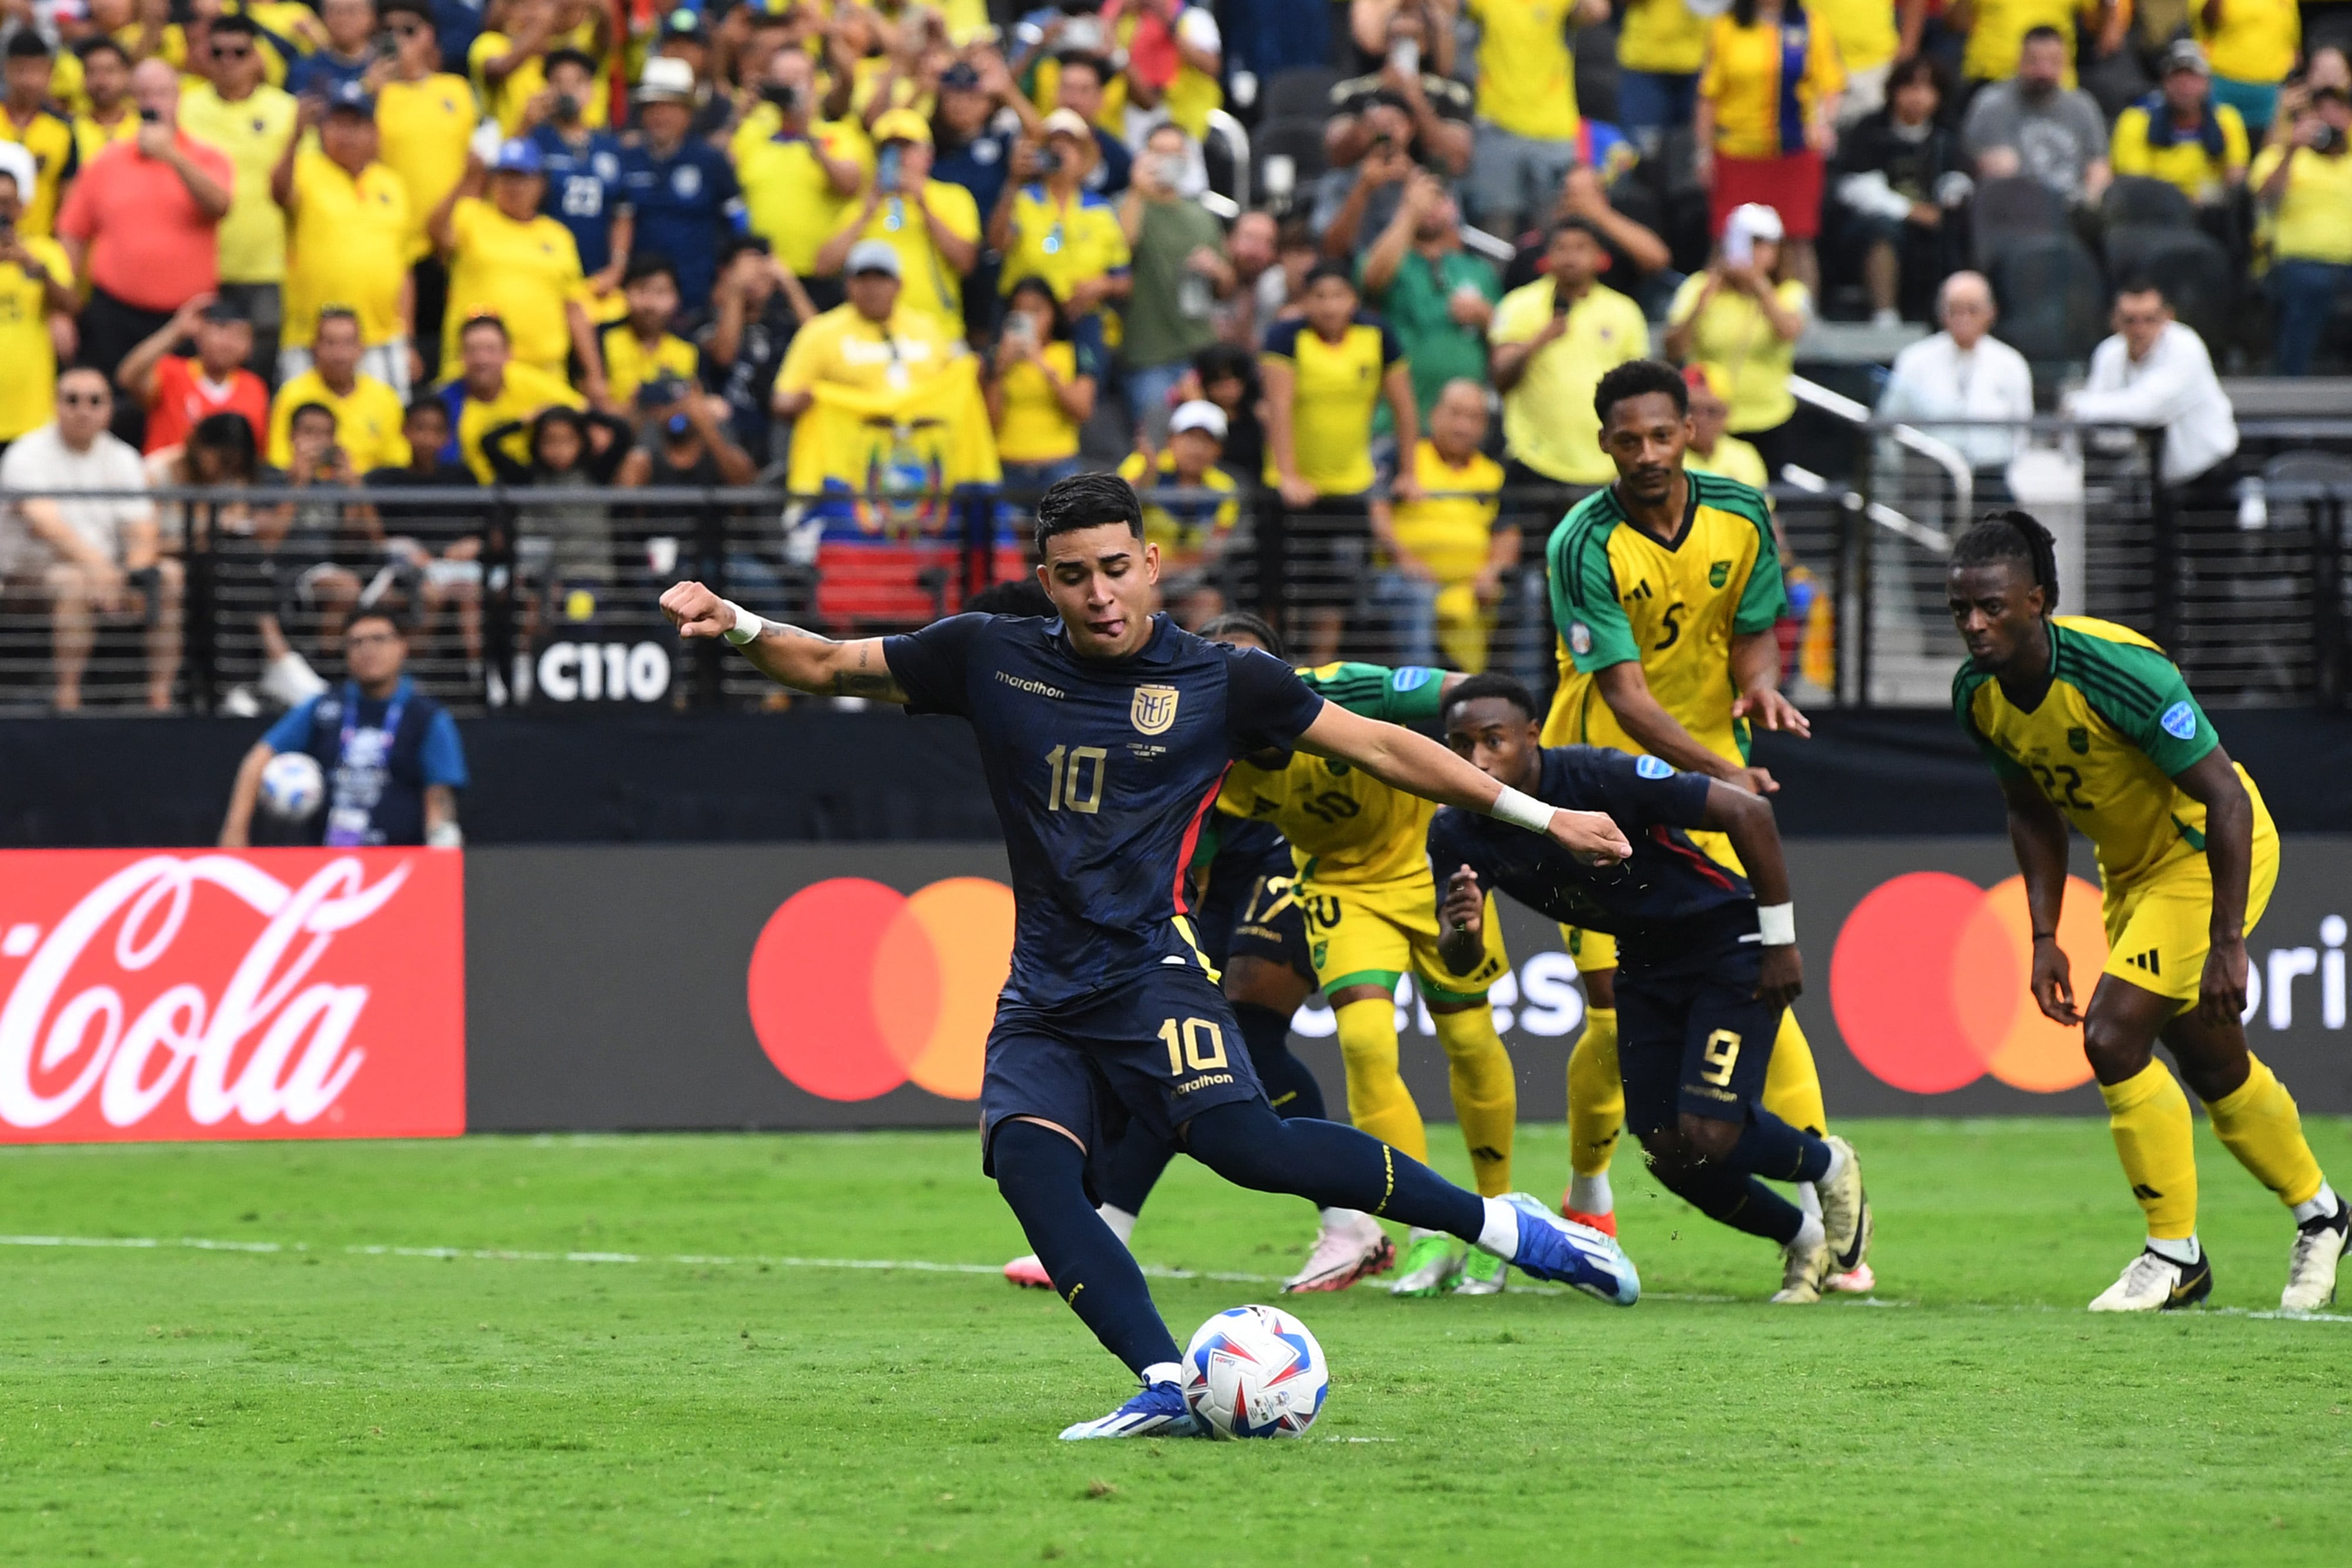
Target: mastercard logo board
1930, 982
855, 989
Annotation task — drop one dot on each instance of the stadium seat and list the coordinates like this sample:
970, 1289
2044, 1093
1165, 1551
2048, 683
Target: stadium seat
2053, 306
1299, 94
2191, 267
1300, 140
2012, 209
2136, 199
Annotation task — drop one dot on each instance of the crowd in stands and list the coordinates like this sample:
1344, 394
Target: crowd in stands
884, 256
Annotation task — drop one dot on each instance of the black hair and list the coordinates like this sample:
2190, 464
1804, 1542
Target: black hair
1640, 377
26, 44
647, 263
1086, 501
384, 612
2014, 535
1242, 621
101, 45
238, 22
339, 313
2136, 282
1323, 269
1032, 284
558, 415
554, 57
420, 9
737, 245
301, 409
485, 319
422, 403
1095, 63
1919, 66
2046, 30
1584, 226
1220, 361
1013, 596
230, 434
1494, 683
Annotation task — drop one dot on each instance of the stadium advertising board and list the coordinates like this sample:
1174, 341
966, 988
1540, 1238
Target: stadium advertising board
290, 993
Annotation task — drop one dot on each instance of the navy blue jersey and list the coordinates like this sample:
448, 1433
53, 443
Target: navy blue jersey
1101, 770
583, 190
1668, 883
686, 205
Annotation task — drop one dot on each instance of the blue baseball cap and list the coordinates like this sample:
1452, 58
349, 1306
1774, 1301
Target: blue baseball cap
517, 156
351, 98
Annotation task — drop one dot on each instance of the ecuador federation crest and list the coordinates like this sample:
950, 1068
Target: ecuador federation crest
1153, 709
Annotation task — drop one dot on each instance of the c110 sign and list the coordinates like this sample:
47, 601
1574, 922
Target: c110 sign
295, 993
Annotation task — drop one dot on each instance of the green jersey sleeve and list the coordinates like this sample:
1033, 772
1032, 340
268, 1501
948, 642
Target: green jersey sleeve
1584, 608
1409, 693
1965, 687
1765, 600
2142, 694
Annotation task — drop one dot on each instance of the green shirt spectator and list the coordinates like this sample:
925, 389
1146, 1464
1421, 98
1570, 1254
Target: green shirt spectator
1437, 297
1180, 270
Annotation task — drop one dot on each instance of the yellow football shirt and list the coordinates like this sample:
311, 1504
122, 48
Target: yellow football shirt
787, 200
29, 391
2117, 725
1742, 79
2314, 220
1182, 528
1732, 330
525, 393
630, 364
1527, 78
1547, 418
367, 422
2185, 163
1451, 529
1064, 245
1032, 426
1622, 595
2256, 42
347, 247
842, 348
1864, 31
251, 133
1734, 459
1666, 37
506, 101
50, 139
423, 130
1343, 824
926, 281
1996, 33
91, 137
1335, 389
518, 272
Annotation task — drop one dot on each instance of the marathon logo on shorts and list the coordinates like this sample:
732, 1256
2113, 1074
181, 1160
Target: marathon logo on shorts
1206, 1081
1153, 709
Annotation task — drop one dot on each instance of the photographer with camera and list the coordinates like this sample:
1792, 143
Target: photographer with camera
2304, 181
581, 165
1049, 225
800, 173
933, 225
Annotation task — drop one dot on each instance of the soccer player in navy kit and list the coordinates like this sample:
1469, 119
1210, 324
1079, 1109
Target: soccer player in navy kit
1105, 736
1709, 962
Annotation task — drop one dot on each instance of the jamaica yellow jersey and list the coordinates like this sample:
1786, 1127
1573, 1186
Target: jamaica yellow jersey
2104, 744
1343, 824
1622, 595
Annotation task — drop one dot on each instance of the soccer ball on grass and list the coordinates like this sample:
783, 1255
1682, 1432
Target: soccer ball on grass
1256, 1372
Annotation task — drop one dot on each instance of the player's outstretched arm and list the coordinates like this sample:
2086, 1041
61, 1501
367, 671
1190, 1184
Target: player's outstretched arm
1746, 820
785, 654
2230, 858
1627, 692
1418, 766
1756, 676
2038, 833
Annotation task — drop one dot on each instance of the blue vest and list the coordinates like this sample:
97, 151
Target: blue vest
397, 815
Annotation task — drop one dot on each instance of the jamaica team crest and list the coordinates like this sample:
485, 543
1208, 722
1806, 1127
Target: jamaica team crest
1153, 709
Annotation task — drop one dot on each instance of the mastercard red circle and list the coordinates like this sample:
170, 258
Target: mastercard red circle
855, 989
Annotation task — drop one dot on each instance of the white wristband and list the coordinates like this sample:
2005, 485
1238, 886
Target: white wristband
1521, 811
747, 627
1778, 924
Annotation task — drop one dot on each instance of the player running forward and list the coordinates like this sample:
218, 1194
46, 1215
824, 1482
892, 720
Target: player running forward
1703, 973
1250, 926
1664, 589
1364, 885
2086, 722
1104, 735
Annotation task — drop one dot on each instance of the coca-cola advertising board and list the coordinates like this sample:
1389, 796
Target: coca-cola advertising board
295, 993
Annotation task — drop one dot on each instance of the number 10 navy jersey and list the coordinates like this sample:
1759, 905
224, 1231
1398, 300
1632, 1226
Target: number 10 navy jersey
1101, 770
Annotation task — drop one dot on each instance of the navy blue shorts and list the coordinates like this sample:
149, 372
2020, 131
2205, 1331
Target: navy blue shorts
1158, 1050
1692, 1036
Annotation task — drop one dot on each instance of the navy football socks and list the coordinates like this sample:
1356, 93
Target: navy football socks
1768, 1146
1131, 1168
1330, 1165
1289, 1083
1041, 1175
1731, 1197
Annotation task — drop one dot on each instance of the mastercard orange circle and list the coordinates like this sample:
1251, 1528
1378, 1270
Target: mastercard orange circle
1929, 983
855, 989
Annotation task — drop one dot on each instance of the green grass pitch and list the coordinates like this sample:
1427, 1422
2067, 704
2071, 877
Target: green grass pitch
715, 1397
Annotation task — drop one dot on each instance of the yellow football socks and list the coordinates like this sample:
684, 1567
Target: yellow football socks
1793, 1088
2257, 1121
1485, 1093
1378, 1101
2148, 1115
1596, 1094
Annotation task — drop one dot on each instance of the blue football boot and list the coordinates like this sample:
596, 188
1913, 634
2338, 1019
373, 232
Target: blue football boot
1551, 1248
1157, 1411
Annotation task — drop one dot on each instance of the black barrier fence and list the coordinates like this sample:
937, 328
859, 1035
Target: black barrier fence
615, 989
545, 597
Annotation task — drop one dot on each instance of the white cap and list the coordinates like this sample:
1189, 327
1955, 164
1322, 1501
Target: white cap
872, 256
1761, 222
666, 77
1069, 122
1198, 414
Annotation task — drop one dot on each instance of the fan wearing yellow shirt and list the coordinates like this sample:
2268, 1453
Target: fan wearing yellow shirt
1744, 314
36, 294
103, 112
933, 225
2304, 182
1552, 341
1191, 533
1057, 229
640, 347
1665, 589
350, 225
425, 119
799, 175
1446, 557
250, 122
509, 67
493, 388
2251, 46
368, 412
1040, 388
1713, 448
1995, 31
867, 344
1867, 42
26, 120
2086, 724
1527, 127
2182, 134
508, 260
1767, 105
